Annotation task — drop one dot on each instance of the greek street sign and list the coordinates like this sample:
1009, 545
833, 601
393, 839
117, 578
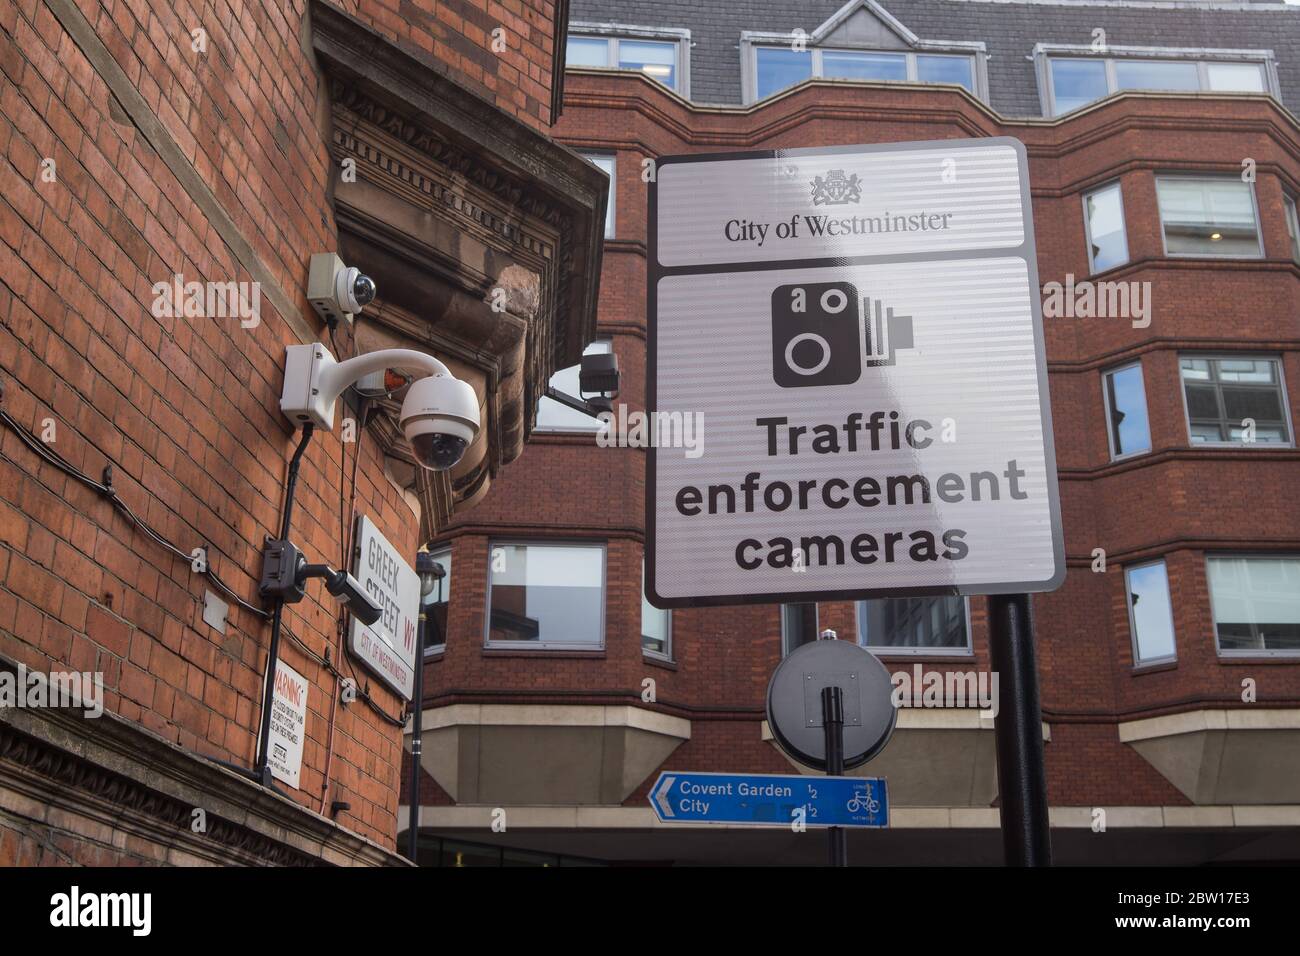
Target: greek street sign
387, 647
857, 330
769, 800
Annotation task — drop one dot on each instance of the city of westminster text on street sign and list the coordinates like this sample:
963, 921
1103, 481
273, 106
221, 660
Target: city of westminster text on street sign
858, 333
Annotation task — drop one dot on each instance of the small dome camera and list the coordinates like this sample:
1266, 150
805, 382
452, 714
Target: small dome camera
352, 290
440, 419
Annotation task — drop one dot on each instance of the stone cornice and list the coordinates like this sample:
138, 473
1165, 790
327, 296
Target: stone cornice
133, 779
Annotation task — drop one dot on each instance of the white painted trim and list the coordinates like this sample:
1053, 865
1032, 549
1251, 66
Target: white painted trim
556, 715
1196, 721
615, 31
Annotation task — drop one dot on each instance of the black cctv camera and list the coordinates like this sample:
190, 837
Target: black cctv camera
284, 577
348, 589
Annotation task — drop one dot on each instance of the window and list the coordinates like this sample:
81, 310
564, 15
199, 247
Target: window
606, 163
1256, 603
1126, 411
779, 67
554, 417
656, 626
1103, 216
435, 628
546, 595
915, 625
1077, 83
1222, 393
640, 50
1292, 225
1150, 614
1208, 217
798, 626
1075, 79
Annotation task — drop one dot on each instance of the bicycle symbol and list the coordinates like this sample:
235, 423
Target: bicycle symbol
857, 803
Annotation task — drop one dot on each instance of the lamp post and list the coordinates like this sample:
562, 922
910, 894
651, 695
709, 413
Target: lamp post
431, 573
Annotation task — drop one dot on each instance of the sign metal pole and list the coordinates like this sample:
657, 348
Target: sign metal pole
1018, 729
833, 724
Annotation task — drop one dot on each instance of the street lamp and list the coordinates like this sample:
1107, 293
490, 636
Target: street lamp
431, 573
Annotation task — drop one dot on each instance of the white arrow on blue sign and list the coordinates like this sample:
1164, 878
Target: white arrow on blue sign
769, 799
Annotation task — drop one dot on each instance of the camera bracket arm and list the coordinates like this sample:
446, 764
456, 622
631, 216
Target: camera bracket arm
285, 573
313, 379
588, 406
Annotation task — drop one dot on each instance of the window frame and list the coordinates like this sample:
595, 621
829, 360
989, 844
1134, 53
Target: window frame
667, 653
753, 40
916, 652
1117, 185
1214, 620
494, 543
1202, 57
611, 210
1138, 661
1291, 213
1105, 399
1237, 356
817, 624
612, 33
1202, 177
432, 650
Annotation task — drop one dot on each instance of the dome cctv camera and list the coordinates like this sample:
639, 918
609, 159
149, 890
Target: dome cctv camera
440, 420
352, 290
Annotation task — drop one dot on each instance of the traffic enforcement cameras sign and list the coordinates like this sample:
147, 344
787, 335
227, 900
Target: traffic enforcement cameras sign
855, 334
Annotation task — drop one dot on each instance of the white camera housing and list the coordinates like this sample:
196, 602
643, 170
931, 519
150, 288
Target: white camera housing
440, 420
439, 414
337, 291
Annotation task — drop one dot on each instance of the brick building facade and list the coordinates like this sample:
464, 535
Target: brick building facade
1184, 734
141, 141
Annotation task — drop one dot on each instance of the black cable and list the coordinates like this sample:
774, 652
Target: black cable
106, 489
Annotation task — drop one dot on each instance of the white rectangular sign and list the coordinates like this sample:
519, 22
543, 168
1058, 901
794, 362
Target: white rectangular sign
386, 647
288, 724
857, 335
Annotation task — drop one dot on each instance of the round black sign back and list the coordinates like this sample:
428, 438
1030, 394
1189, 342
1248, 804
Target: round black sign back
794, 702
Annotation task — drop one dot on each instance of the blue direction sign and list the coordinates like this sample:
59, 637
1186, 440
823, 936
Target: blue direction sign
757, 798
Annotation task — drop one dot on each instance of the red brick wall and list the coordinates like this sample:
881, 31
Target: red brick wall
511, 69
186, 410
1174, 502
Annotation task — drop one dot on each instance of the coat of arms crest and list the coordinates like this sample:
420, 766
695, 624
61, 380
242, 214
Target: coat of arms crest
836, 189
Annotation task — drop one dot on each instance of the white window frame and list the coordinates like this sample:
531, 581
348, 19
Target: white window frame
817, 624
1276, 359
967, 651
1087, 228
667, 653
494, 543
751, 41
1105, 399
613, 32
1238, 654
611, 210
444, 550
1291, 212
1138, 661
1254, 204
1201, 56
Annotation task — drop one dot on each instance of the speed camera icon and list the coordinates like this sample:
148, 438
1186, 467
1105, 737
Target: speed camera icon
823, 333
